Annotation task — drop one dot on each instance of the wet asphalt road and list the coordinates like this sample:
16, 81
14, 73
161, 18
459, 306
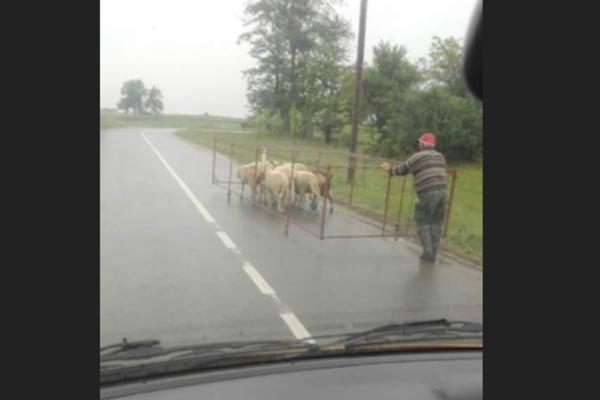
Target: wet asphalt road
169, 273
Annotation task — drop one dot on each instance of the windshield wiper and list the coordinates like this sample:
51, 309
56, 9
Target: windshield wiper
147, 357
151, 348
412, 331
134, 360
126, 346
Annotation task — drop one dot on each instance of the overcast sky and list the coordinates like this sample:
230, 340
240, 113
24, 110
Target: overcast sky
188, 48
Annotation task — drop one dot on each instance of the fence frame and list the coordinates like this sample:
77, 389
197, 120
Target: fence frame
260, 152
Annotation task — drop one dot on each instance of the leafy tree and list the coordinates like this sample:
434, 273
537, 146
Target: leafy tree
444, 66
299, 46
401, 106
132, 96
154, 101
386, 85
455, 120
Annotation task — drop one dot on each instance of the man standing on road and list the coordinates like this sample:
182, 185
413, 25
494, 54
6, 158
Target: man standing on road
429, 169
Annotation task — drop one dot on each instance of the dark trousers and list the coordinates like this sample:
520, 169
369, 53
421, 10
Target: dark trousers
429, 217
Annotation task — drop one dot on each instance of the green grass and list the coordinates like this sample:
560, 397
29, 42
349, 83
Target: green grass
111, 119
465, 230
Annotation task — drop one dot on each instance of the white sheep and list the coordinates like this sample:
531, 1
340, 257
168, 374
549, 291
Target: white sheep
246, 174
305, 182
276, 184
287, 168
297, 166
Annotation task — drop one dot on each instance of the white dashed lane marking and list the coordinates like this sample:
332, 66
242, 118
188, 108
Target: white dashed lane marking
181, 183
227, 241
258, 280
293, 323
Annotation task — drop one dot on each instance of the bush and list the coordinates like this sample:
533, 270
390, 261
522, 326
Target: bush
266, 122
456, 122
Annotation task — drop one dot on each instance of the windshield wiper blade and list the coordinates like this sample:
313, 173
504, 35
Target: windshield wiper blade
155, 360
151, 348
429, 329
125, 346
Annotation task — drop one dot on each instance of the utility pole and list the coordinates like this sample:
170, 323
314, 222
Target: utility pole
357, 88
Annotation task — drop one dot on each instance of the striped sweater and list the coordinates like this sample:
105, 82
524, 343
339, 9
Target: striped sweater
427, 166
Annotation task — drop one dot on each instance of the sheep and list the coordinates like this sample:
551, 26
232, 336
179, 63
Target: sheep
246, 174
305, 182
276, 185
287, 168
325, 182
297, 166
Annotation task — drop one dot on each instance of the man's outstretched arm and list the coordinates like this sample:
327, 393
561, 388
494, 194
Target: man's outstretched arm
398, 169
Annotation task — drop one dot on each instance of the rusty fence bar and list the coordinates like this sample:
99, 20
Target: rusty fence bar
399, 216
365, 236
411, 200
254, 177
325, 196
318, 163
385, 207
323, 151
449, 205
230, 171
214, 162
290, 193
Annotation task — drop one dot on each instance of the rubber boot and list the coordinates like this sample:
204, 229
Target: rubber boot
424, 233
436, 236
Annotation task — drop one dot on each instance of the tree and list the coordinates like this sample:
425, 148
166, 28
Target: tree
386, 84
444, 66
154, 101
299, 46
401, 107
455, 120
133, 93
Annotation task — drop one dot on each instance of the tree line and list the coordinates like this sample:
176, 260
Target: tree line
137, 99
302, 83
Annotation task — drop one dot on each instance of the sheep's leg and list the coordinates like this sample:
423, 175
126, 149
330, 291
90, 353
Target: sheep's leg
263, 195
272, 198
267, 197
314, 195
280, 197
260, 194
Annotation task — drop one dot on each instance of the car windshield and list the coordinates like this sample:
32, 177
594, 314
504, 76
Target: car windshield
287, 175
